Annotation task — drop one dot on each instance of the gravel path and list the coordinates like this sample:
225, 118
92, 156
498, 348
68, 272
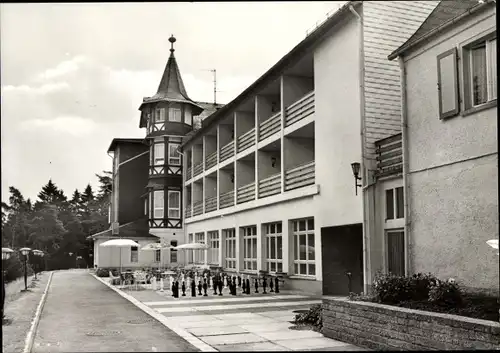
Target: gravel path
20, 310
83, 315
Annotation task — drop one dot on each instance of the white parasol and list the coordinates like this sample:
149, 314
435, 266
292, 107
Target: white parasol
120, 243
192, 246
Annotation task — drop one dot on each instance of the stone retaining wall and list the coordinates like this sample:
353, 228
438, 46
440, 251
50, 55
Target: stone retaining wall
385, 327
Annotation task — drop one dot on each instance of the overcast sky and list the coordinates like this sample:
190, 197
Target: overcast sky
74, 75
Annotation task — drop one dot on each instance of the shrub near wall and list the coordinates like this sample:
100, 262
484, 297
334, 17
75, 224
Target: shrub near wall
386, 327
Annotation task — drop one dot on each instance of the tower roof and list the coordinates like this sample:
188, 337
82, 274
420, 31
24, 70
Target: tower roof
171, 87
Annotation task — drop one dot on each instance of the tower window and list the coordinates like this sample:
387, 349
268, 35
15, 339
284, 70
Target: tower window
160, 115
159, 157
174, 114
174, 158
174, 204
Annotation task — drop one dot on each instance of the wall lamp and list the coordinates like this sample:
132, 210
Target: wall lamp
355, 170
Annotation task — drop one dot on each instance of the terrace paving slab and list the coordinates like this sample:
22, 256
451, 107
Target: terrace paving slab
247, 347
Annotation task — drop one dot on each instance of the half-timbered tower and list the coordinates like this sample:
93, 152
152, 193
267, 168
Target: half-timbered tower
167, 117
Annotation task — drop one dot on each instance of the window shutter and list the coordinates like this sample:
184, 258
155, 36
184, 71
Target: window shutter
448, 84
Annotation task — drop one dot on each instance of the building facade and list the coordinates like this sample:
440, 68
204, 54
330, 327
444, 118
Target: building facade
268, 179
451, 159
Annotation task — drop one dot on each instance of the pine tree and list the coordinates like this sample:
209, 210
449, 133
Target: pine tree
52, 195
106, 185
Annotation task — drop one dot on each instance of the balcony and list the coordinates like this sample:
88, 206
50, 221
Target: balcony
189, 173
246, 193
300, 176
389, 155
187, 211
227, 199
227, 151
246, 140
270, 126
198, 168
211, 160
270, 185
300, 109
210, 204
197, 208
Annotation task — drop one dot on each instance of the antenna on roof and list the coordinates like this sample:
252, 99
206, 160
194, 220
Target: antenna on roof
215, 85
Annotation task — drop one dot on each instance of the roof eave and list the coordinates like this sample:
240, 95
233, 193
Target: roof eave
407, 46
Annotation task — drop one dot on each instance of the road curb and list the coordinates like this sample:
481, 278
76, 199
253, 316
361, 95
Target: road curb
30, 338
165, 321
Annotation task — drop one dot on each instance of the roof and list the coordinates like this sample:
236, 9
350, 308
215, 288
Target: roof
135, 229
171, 87
445, 13
116, 141
312, 39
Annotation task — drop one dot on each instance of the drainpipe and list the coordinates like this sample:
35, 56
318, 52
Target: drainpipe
366, 193
406, 171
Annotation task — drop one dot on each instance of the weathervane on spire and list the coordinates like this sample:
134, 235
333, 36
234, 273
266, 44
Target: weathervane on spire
172, 41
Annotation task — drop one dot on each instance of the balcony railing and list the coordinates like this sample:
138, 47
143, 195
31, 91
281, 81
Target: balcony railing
300, 176
269, 126
189, 173
246, 140
188, 211
300, 109
210, 204
226, 199
227, 151
211, 160
389, 155
198, 168
270, 185
246, 193
197, 208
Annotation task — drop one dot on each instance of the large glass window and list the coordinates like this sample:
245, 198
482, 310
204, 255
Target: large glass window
250, 248
174, 158
159, 204
213, 251
174, 204
174, 114
173, 252
230, 239
159, 155
304, 247
394, 203
134, 254
274, 247
199, 255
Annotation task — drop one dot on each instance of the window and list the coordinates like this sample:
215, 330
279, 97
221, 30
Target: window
250, 248
190, 252
230, 239
157, 255
447, 84
134, 254
304, 250
394, 203
274, 247
199, 255
174, 158
109, 214
159, 154
481, 71
174, 204
160, 115
159, 204
146, 206
396, 252
174, 114
213, 251
187, 116
173, 252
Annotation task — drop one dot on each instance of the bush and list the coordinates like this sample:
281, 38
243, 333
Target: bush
311, 317
14, 268
391, 289
446, 293
102, 272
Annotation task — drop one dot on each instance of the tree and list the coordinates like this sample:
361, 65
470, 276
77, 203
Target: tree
52, 195
45, 229
106, 185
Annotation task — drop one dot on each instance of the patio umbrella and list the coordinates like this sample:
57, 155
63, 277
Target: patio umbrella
192, 246
156, 246
120, 243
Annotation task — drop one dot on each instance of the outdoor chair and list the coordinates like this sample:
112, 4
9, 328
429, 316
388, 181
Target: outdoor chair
114, 279
139, 278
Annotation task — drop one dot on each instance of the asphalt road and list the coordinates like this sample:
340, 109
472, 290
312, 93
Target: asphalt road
83, 315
